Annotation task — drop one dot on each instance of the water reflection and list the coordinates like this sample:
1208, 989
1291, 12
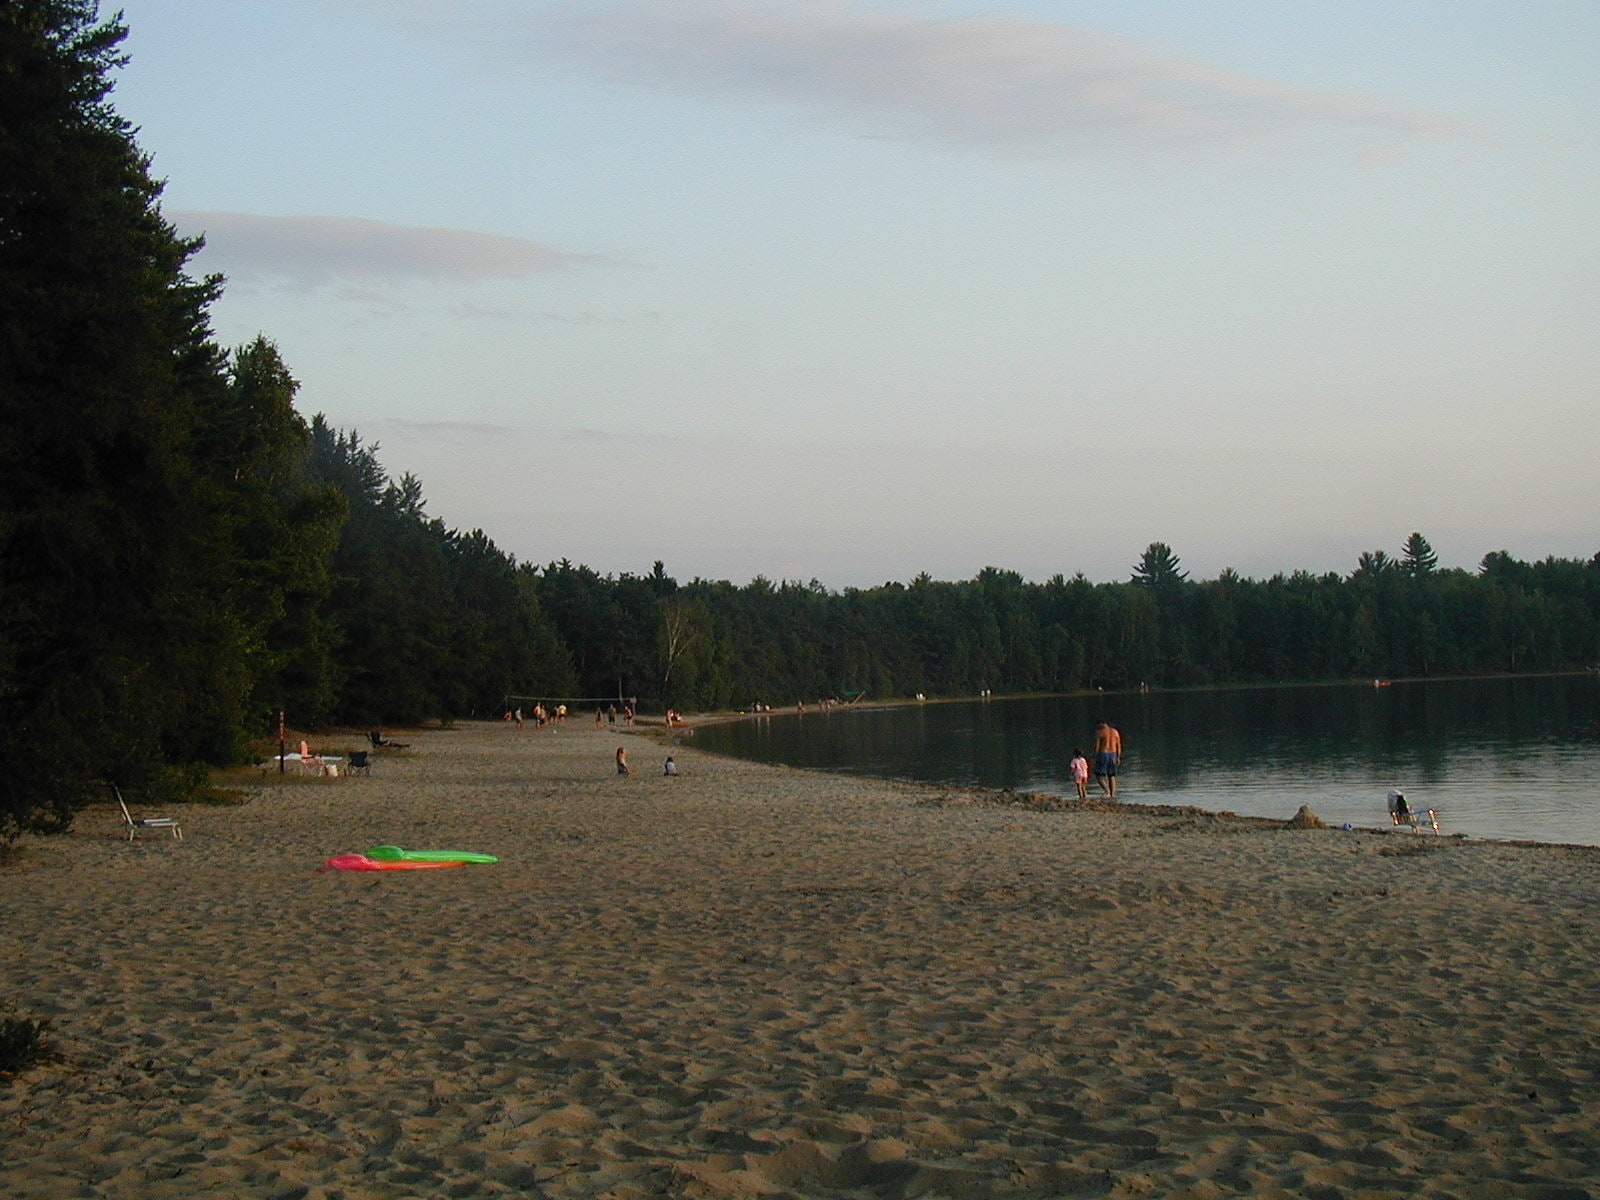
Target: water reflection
1508, 758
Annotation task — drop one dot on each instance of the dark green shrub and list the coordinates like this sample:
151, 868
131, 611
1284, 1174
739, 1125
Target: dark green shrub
23, 1044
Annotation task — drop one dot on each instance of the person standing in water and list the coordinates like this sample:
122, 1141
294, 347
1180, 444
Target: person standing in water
1080, 773
1107, 758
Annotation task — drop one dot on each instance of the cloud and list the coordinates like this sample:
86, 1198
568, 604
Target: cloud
472, 311
317, 251
465, 432
1001, 83
455, 432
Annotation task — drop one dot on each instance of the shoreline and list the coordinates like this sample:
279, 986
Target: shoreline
752, 980
1471, 814
724, 716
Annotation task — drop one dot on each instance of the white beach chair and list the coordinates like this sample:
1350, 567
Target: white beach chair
1400, 814
135, 824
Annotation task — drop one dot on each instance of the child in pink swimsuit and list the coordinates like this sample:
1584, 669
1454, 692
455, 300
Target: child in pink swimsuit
1080, 773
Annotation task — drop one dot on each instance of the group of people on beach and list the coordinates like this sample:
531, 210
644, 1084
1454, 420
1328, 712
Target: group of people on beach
609, 716
541, 715
1107, 762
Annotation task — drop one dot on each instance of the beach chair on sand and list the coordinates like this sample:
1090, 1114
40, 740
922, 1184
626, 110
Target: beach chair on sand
379, 742
135, 824
1400, 813
360, 763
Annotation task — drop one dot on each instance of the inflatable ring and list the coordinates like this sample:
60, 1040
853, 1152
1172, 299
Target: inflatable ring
360, 862
394, 854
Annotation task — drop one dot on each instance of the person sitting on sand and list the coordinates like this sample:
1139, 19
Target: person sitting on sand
622, 762
669, 767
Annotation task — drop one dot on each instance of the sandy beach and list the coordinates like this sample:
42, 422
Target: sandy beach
751, 981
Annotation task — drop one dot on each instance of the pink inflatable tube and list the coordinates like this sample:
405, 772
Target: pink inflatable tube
360, 862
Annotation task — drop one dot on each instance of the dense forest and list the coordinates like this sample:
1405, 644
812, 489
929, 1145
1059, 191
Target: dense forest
183, 555
713, 645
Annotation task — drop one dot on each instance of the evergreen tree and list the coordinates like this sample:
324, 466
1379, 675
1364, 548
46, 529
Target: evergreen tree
1372, 563
285, 529
1419, 556
429, 621
1158, 567
116, 656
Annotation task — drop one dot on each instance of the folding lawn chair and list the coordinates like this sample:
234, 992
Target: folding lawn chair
1400, 814
135, 824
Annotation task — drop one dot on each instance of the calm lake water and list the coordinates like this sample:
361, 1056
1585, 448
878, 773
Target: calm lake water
1499, 758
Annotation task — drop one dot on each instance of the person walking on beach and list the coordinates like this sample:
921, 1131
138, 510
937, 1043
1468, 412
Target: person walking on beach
1107, 758
622, 762
1080, 773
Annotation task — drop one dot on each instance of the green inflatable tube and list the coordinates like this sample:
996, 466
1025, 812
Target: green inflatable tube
395, 854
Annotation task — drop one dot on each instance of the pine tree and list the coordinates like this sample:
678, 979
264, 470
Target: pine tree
114, 657
285, 527
1158, 567
1419, 556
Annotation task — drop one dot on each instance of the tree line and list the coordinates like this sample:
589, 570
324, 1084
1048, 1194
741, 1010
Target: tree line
183, 555
711, 645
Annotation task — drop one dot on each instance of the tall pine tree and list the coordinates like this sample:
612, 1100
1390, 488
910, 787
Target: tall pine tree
120, 651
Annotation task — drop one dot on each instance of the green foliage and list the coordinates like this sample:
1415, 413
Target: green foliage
182, 555
781, 643
1373, 563
1158, 567
1419, 556
429, 621
118, 646
284, 526
24, 1043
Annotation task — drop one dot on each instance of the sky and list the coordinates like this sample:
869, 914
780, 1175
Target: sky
852, 290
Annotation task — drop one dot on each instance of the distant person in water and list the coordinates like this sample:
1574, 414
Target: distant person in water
1080, 774
1107, 758
622, 762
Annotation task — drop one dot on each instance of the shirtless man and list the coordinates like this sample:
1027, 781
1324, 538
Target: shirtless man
1107, 758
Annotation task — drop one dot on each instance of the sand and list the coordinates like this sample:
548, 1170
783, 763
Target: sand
748, 981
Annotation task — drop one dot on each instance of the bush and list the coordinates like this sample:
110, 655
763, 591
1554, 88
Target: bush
187, 783
23, 1044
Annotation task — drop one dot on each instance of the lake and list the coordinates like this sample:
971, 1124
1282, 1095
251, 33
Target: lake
1515, 758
